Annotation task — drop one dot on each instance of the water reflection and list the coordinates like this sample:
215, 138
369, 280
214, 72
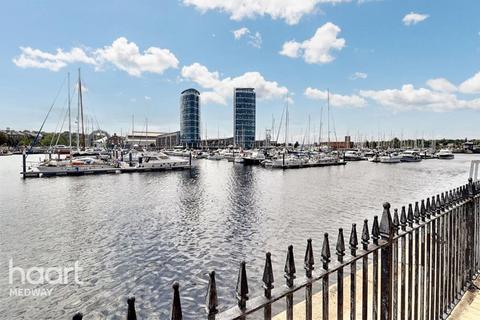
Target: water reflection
138, 233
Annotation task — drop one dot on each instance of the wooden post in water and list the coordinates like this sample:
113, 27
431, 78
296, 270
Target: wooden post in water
24, 164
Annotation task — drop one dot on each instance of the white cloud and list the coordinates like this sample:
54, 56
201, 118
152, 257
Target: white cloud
442, 85
471, 85
411, 98
124, 55
240, 32
318, 48
291, 11
222, 89
358, 75
336, 100
148, 98
414, 18
34, 58
254, 39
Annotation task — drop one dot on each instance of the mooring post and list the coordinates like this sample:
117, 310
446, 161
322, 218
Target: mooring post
24, 164
386, 233
130, 158
190, 159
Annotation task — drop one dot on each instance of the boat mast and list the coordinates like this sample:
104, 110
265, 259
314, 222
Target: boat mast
69, 114
286, 124
81, 108
321, 127
328, 115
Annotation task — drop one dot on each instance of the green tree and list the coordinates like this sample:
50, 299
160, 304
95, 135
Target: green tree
3, 139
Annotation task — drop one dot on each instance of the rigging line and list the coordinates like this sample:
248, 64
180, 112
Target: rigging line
60, 118
46, 117
280, 126
61, 128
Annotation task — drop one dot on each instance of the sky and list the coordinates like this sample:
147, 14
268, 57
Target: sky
409, 69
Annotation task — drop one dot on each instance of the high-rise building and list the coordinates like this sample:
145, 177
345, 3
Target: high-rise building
244, 106
190, 118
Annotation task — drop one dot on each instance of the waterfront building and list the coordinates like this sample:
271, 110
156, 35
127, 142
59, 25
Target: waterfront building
244, 105
143, 138
190, 118
168, 140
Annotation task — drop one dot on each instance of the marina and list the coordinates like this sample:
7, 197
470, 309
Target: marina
185, 223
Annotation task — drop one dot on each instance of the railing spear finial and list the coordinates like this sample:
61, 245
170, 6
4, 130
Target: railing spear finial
410, 215
403, 219
176, 312
433, 208
386, 224
375, 230
309, 260
340, 248
131, 313
268, 276
77, 316
438, 203
325, 252
211, 300
416, 213
290, 269
396, 221
242, 286
353, 240
365, 235
423, 211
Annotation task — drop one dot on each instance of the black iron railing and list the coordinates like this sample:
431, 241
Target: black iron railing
414, 265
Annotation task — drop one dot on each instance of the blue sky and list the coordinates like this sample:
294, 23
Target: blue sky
392, 67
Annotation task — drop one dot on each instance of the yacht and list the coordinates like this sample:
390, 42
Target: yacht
253, 157
445, 154
352, 155
410, 156
390, 158
76, 165
158, 160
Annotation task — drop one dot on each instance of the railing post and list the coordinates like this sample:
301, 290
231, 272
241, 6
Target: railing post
242, 287
289, 277
211, 300
375, 280
308, 265
386, 233
268, 284
340, 250
471, 232
365, 241
77, 316
353, 269
325, 262
131, 313
176, 312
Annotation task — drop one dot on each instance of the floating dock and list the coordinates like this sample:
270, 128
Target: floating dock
63, 173
311, 165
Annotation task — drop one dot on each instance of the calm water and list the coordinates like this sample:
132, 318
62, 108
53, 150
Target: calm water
134, 234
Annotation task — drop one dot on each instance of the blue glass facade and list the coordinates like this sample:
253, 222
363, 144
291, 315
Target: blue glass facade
244, 109
190, 118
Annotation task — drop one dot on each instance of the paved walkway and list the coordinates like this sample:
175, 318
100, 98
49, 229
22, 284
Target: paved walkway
469, 307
